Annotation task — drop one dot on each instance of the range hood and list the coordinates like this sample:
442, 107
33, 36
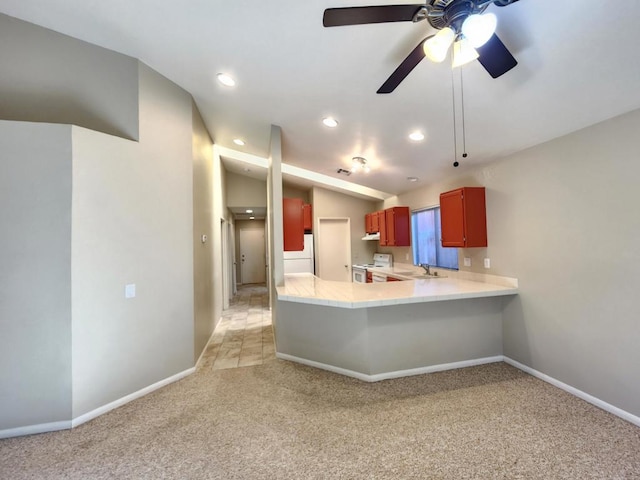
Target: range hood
372, 236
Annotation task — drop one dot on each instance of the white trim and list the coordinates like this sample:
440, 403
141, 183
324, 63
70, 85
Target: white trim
33, 429
618, 412
388, 375
607, 407
133, 396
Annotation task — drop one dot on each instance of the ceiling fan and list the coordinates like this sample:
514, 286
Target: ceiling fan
459, 22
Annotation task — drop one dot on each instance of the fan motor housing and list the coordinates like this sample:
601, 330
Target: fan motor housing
451, 13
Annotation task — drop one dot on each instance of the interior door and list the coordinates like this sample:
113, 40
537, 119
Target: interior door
334, 249
252, 256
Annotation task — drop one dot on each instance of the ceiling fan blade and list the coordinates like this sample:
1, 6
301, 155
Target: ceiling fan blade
336, 17
495, 58
408, 64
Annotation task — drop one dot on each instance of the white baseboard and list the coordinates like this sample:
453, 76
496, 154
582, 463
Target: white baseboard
618, 412
388, 375
133, 396
33, 429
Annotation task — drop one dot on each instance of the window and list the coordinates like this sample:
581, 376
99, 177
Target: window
425, 233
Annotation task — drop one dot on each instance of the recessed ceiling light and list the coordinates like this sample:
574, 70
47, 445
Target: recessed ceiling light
249, 211
252, 218
416, 136
238, 141
412, 179
330, 122
226, 80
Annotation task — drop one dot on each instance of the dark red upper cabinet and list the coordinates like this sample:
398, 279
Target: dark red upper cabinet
293, 224
307, 214
463, 217
394, 227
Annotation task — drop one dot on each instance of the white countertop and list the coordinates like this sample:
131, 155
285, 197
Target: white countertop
307, 288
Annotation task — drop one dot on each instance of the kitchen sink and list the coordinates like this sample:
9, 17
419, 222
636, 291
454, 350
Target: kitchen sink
424, 275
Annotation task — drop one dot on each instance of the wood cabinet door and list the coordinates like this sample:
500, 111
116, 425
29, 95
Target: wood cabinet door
382, 223
293, 224
390, 223
375, 222
401, 227
307, 217
452, 218
463, 217
367, 223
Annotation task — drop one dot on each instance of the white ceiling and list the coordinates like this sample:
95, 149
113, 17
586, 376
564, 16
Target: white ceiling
578, 65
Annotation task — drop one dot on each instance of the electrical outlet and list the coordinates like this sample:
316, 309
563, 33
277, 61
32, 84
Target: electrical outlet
467, 261
487, 263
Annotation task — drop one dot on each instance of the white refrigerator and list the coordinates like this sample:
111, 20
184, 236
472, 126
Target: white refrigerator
301, 261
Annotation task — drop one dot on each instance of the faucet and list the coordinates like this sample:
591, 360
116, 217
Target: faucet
426, 268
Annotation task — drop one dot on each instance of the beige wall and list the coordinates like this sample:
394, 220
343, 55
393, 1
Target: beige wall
290, 191
133, 224
327, 203
562, 218
49, 77
202, 147
35, 274
88, 214
245, 191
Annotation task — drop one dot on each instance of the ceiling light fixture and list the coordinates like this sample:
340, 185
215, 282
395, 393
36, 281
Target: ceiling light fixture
436, 47
252, 218
359, 163
479, 28
249, 211
476, 30
416, 136
239, 141
463, 53
412, 179
330, 122
226, 80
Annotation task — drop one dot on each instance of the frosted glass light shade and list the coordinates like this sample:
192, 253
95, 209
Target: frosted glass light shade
436, 47
479, 28
463, 53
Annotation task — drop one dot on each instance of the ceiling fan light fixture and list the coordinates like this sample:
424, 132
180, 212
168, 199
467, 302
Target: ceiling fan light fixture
436, 47
463, 53
359, 163
479, 28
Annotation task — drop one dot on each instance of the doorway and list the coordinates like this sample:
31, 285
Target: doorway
252, 256
334, 249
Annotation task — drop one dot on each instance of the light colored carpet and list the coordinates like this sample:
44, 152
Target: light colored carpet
280, 420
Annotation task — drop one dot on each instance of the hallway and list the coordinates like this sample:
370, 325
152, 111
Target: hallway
244, 336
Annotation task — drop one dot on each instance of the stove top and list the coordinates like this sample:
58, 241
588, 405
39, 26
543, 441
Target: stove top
363, 265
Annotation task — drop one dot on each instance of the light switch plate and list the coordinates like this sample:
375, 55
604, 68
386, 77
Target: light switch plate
487, 263
467, 261
130, 290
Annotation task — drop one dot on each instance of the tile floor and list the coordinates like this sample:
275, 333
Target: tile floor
244, 336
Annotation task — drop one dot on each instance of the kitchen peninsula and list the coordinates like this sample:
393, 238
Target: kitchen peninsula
386, 330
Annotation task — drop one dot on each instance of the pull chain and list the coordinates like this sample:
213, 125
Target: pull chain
464, 133
453, 99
